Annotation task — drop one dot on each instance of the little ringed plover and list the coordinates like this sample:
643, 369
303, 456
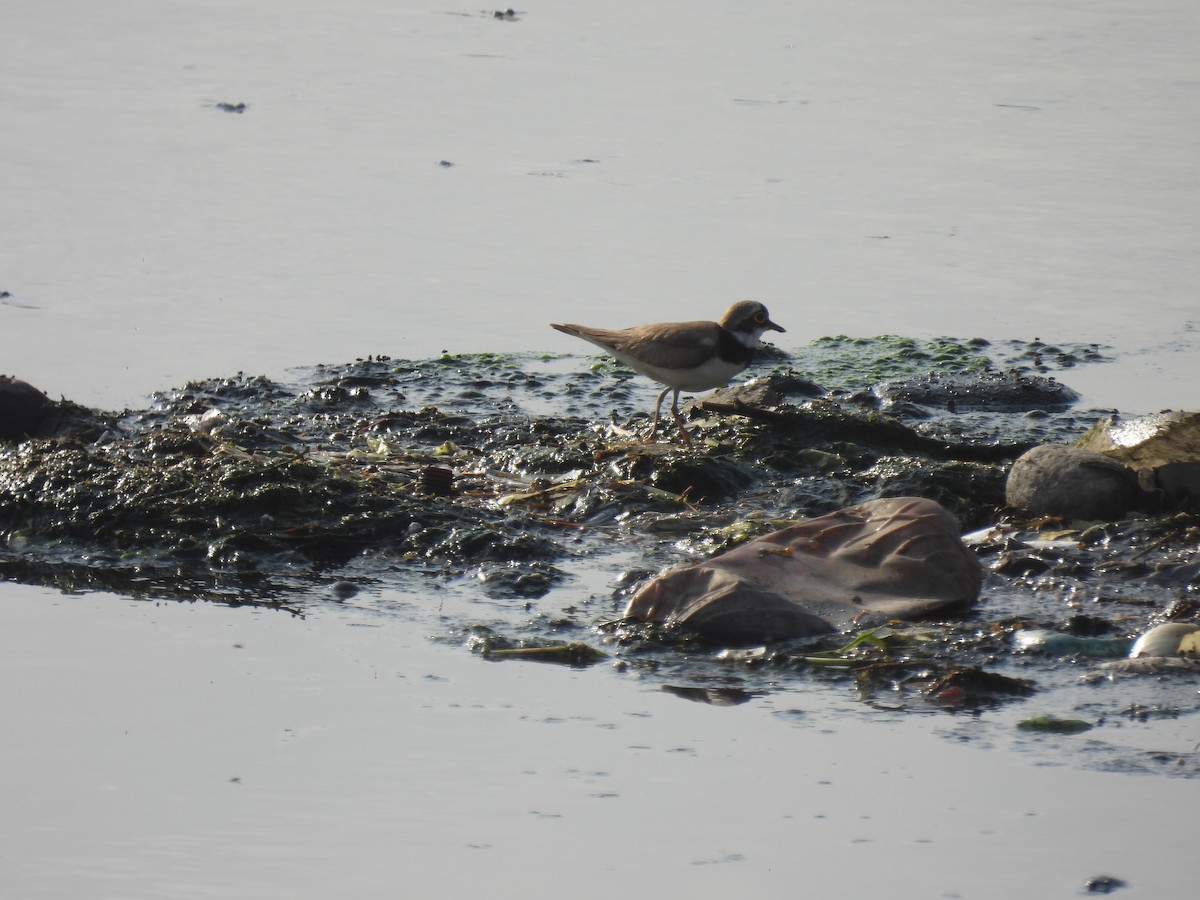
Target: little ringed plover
685, 356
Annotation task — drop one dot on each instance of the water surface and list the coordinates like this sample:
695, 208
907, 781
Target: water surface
412, 178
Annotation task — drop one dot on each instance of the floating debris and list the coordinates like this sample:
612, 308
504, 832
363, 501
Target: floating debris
1054, 725
1103, 884
572, 654
438, 480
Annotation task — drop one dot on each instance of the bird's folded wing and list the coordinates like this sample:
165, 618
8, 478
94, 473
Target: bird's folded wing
674, 346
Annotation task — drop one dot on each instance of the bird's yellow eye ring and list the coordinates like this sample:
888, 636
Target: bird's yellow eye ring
760, 318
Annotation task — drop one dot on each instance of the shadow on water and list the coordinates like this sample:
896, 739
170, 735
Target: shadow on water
503, 503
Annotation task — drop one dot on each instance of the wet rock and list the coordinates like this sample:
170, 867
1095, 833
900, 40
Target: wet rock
26, 412
1164, 449
990, 390
976, 687
343, 590
884, 559
1057, 480
575, 654
1043, 357
1187, 666
438, 480
513, 580
1170, 647
1020, 564
694, 477
23, 408
765, 392
1103, 884
1054, 725
713, 696
1168, 639
1087, 626
492, 542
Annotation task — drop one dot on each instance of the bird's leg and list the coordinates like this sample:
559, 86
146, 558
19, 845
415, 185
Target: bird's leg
657, 409
687, 440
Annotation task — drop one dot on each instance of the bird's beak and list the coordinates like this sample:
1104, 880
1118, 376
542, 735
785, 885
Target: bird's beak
773, 327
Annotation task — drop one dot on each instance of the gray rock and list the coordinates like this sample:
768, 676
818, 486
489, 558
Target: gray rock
1057, 480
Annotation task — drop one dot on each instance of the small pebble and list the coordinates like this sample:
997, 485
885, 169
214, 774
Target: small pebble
1103, 884
344, 590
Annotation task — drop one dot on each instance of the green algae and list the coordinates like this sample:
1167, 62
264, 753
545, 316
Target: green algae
857, 363
1054, 725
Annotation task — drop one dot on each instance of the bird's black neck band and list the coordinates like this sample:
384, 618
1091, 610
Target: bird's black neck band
732, 350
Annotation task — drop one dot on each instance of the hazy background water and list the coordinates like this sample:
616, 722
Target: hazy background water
1003, 169
1009, 169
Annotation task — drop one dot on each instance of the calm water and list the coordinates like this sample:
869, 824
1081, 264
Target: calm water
1014, 169
197, 751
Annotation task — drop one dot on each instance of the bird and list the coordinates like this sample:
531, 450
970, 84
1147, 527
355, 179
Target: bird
685, 356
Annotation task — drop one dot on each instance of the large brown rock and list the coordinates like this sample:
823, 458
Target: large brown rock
898, 558
1163, 448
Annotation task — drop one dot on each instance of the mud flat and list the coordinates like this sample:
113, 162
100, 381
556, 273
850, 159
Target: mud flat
519, 534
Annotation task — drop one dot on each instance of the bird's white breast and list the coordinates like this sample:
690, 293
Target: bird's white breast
714, 373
